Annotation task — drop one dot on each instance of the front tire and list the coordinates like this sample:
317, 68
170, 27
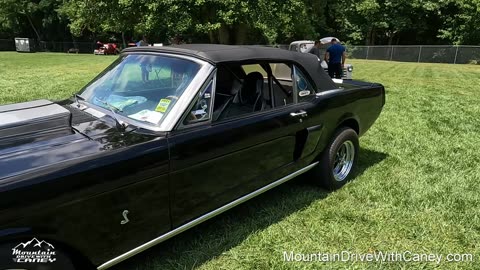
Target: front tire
337, 160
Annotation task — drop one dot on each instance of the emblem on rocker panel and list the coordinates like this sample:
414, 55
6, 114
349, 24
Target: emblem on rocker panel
125, 217
34, 251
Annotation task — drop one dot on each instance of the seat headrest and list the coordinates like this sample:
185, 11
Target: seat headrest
252, 86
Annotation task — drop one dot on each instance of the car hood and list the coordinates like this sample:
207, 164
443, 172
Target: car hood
39, 137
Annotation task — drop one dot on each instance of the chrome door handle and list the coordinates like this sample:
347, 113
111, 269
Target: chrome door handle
301, 113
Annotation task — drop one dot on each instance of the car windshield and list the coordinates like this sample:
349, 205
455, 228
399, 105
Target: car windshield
141, 87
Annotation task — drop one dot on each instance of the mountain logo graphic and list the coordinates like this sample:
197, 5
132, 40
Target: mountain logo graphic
34, 251
35, 243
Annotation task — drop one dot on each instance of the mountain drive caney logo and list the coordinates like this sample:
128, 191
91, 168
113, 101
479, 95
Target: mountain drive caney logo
34, 251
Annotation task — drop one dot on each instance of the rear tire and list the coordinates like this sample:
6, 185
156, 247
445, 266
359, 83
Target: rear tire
337, 161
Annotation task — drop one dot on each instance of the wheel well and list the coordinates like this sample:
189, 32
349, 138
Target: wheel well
351, 123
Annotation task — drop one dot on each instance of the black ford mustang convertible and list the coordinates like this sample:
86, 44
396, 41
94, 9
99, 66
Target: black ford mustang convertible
163, 139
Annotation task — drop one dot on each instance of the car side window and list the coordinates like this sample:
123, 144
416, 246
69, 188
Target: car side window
250, 88
254, 68
241, 90
282, 92
201, 109
302, 88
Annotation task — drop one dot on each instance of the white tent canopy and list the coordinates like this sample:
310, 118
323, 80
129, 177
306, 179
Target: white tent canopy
327, 40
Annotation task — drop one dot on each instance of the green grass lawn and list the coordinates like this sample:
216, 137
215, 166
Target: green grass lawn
417, 187
54, 76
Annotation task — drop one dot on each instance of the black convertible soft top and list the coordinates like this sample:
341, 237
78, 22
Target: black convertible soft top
216, 53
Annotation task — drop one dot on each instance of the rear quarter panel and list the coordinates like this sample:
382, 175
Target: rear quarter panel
333, 108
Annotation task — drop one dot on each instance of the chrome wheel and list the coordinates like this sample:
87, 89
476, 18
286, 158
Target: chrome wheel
343, 161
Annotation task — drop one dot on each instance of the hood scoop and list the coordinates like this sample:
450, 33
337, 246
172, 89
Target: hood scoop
32, 121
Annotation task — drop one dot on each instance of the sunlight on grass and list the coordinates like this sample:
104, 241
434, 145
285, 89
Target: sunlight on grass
417, 187
25, 76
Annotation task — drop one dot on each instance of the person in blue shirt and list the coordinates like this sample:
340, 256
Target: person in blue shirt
142, 42
335, 57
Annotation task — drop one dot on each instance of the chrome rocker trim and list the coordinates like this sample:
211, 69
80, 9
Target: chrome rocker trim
203, 218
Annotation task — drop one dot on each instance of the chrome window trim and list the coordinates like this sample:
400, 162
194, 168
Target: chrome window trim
258, 113
214, 91
306, 77
203, 218
211, 79
175, 114
294, 84
182, 103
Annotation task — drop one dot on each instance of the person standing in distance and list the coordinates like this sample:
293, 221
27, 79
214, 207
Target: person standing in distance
142, 42
335, 57
316, 49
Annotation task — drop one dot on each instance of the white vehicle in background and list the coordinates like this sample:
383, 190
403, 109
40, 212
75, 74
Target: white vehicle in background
304, 46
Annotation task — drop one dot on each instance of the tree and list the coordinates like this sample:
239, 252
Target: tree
14, 12
103, 16
461, 21
246, 21
232, 21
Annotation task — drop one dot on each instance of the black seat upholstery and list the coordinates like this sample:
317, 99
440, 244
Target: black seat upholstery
252, 89
250, 97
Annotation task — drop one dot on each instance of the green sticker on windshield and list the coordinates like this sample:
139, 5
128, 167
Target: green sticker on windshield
163, 105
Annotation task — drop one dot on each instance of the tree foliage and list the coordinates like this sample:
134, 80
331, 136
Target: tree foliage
247, 21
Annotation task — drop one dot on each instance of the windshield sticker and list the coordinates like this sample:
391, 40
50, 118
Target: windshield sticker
163, 105
147, 116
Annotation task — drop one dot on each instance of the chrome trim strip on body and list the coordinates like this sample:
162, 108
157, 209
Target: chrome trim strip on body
329, 92
203, 218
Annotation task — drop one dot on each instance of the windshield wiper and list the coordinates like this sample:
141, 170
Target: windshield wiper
77, 97
120, 126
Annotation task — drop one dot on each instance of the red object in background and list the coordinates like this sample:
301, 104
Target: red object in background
106, 48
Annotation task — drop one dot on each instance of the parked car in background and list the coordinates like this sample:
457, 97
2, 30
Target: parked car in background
164, 139
304, 46
106, 49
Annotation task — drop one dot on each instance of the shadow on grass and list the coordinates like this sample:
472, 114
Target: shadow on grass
367, 159
218, 235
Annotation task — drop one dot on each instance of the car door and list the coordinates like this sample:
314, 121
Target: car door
213, 163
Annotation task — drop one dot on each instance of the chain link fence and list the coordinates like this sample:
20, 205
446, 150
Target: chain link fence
53, 46
424, 53
7, 44
77, 47
72, 47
